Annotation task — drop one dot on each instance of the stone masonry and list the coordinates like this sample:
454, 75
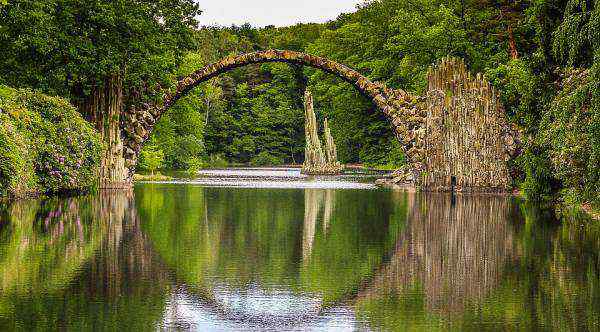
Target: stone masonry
456, 134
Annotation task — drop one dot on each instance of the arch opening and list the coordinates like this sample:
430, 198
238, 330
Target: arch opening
140, 119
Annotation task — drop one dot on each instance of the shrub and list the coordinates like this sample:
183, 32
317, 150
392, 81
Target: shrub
570, 130
152, 158
46, 146
16, 168
195, 164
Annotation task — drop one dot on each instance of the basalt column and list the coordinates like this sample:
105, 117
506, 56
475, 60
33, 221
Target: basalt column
314, 158
104, 108
333, 165
317, 161
468, 139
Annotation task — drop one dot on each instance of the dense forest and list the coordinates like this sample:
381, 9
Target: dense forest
543, 55
255, 114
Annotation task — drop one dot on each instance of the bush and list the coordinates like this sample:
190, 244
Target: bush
194, 166
264, 158
570, 130
16, 168
151, 158
538, 183
45, 145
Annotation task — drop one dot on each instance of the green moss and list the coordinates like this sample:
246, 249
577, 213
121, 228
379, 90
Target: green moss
45, 145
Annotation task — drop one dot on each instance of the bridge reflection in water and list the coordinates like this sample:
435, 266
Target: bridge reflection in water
456, 249
177, 256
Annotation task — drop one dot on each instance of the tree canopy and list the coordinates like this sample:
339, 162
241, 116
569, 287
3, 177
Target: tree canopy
65, 47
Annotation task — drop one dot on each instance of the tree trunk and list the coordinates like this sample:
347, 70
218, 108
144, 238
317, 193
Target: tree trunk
207, 102
103, 108
512, 45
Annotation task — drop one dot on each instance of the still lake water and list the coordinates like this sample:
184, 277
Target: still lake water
271, 250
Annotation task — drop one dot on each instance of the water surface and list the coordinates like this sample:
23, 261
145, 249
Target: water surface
276, 253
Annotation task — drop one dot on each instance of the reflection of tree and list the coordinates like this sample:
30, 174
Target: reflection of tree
556, 282
45, 244
124, 284
482, 264
77, 263
454, 253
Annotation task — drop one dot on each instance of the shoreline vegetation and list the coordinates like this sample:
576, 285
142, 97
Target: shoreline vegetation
152, 177
46, 147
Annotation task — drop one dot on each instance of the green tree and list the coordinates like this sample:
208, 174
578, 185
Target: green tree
152, 158
100, 54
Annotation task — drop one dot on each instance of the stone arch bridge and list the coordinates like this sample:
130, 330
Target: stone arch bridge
408, 114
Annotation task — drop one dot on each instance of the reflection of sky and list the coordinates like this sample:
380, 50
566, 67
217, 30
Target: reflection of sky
256, 302
254, 172
254, 309
278, 178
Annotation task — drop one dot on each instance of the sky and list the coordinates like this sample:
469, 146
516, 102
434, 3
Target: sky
261, 13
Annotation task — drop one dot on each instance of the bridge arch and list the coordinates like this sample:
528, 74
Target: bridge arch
139, 121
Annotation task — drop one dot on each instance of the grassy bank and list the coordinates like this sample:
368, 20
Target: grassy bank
152, 177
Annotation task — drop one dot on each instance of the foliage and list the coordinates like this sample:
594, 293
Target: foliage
67, 47
264, 158
571, 132
215, 161
254, 114
194, 166
46, 146
181, 132
16, 167
152, 158
241, 113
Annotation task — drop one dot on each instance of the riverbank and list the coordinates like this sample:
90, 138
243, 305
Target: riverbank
152, 177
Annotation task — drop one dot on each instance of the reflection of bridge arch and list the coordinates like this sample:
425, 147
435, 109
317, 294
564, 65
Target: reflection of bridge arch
456, 250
